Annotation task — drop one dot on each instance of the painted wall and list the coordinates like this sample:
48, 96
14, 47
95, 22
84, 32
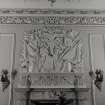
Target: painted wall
5, 63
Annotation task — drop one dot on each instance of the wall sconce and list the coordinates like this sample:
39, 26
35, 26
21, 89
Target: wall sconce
98, 78
5, 79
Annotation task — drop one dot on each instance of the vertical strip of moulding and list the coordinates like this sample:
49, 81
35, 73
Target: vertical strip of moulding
104, 44
12, 68
91, 68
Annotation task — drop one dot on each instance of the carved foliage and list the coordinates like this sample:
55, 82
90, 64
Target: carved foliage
53, 20
50, 49
46, 54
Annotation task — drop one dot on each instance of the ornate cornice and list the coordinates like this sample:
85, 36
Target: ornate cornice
53, 20
51, 11
56, 16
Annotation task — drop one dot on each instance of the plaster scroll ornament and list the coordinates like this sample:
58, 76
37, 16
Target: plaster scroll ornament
52, 2
51, 49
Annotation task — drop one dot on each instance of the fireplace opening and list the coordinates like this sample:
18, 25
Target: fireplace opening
49, 102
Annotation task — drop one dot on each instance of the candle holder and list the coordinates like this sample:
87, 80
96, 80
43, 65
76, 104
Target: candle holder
5, 79
98, 78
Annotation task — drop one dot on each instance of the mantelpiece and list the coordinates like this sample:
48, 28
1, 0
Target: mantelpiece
64, 16
52, 61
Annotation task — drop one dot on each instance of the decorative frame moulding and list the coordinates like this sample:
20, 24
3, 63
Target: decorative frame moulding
52, 11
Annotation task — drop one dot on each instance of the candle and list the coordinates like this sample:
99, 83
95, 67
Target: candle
69, 66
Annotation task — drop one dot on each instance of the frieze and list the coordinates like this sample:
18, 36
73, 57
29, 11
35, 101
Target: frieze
53, 20
53, 80
51, 11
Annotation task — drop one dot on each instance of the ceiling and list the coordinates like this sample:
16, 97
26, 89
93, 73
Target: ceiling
78, 4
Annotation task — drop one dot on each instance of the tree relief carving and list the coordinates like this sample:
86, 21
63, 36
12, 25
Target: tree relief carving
52, 49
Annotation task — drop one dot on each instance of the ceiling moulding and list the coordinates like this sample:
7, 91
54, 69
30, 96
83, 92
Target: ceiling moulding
53, 20
52, 16
52, 11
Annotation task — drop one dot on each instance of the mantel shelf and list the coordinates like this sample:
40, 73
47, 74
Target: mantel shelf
49, 89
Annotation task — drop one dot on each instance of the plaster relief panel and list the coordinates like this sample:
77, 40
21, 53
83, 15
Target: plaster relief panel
52, 49
53, 57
